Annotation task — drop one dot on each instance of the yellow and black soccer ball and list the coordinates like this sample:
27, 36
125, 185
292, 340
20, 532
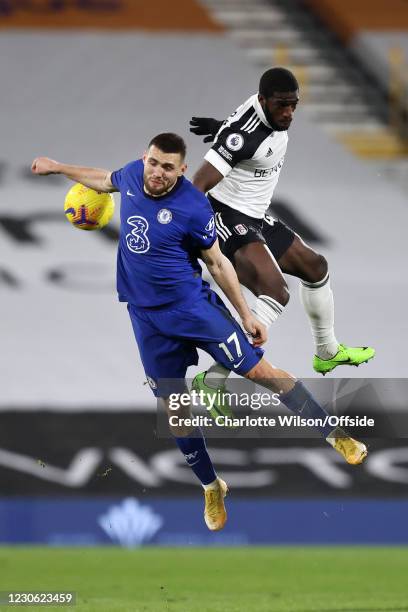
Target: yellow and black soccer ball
87, 209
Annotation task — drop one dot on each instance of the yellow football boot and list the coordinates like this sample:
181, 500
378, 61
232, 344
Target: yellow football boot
352, 450
215, 515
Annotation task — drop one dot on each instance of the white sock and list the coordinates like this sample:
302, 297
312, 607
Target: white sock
211, 485
317, 300
266, 310
216, 375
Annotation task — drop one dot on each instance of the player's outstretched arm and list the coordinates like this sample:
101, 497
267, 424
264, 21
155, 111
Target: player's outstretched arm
205, 126
95, 178
222, 271
206, 177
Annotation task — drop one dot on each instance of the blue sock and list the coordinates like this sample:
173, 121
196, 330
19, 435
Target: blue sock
197, 457
302, 402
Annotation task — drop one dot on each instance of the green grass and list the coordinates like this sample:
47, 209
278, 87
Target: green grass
213, 580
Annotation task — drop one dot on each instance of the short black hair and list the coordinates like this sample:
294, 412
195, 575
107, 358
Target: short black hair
277, 79
169, 143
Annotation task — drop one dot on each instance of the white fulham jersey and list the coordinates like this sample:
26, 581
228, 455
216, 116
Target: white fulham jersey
250, 155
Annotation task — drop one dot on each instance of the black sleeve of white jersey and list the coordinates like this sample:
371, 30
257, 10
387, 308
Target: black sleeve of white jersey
231, 147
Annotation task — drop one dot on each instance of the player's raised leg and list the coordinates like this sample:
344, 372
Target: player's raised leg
297, 398
317, 298
235, 353
165, 360
191, 443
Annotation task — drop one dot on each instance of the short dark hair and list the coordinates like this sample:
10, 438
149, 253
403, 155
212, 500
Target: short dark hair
169, 143
277, 79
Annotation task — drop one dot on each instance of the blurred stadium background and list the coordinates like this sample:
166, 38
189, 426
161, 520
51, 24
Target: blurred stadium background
90, 82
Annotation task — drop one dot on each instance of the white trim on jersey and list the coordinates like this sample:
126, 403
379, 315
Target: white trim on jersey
222, 229
252, 117
218, 162
254, 126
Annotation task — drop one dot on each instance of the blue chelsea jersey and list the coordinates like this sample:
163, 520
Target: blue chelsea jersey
160, 239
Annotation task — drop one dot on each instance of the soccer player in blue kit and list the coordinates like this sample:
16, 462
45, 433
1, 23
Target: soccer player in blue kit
166, 224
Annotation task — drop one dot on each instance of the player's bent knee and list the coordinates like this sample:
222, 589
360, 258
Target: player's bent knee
321, 267
316, 269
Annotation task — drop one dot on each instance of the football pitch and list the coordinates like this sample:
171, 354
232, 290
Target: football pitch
277, 579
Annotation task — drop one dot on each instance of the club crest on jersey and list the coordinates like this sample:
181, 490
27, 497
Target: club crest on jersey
164, 216
241, 229
235, 142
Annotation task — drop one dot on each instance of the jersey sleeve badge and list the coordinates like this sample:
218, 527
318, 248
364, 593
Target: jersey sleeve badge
210, 226
235, 142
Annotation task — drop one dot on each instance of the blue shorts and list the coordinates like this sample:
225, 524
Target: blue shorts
168, 341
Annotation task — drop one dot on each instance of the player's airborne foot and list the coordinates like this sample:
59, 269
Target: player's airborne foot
214, 399
346, 355
352, 450
215, 515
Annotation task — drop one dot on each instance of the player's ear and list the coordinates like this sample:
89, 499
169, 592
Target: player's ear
183, 168
144, 157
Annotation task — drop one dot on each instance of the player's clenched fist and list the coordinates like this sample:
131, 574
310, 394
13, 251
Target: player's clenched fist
44, 165
256, 329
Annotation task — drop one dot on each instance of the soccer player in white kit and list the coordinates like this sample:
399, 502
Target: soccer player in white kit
239, 175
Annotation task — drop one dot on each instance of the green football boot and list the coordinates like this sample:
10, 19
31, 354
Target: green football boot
346, 355
220, 407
